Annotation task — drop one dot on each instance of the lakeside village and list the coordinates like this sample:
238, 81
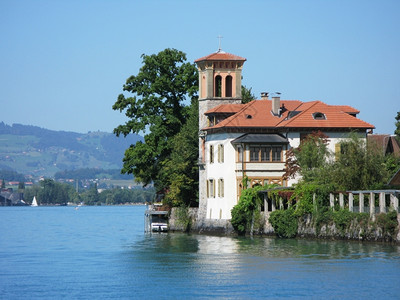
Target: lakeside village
72, 192
244, 146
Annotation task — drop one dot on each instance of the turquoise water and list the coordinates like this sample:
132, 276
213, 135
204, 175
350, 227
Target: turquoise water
103, 253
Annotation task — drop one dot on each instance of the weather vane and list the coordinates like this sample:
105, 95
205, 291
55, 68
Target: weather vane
219, 42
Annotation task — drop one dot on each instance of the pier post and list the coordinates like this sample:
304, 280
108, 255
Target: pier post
382, 204
371, 203
351, 201
341, 200
361, 203
394, 202
273, 204
265, 204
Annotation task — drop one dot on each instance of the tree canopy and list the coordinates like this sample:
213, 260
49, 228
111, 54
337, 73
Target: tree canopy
157, 110
357, 165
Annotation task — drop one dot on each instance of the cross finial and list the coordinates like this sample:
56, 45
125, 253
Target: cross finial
219, 42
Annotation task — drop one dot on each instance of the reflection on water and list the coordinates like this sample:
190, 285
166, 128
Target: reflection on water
236, 267
103, 253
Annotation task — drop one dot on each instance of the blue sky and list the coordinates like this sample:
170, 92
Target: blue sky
63, 63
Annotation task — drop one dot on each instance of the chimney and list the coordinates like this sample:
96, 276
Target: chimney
276, 103
264, 96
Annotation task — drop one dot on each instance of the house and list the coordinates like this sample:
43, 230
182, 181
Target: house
388, 143
249, 141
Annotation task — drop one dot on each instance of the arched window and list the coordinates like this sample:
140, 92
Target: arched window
228, 86
319, 116
218, 86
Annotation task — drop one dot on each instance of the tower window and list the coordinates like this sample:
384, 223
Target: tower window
218, 86
228, 86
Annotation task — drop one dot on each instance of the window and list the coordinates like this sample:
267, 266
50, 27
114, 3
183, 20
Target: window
276, 153
254, 153
265, 153
218, 86
239, 154
228, 86
211, 188
221, 187
319, 116
211, 154
220, 153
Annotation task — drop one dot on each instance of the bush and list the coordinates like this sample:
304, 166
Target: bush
388, 223
284, 222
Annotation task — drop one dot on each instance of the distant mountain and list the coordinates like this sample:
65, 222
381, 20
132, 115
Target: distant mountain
35, 151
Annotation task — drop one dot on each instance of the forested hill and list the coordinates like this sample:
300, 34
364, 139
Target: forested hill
33, 150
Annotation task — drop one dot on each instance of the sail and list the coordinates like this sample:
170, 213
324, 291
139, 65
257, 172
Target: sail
34, 202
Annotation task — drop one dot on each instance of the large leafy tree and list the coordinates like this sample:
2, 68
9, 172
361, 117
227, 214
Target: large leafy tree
180, 171
359, 165
157, 110
309, 158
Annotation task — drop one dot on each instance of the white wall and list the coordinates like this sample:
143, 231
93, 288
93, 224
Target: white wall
225, 170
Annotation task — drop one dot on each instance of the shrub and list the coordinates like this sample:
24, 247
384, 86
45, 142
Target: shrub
284, 222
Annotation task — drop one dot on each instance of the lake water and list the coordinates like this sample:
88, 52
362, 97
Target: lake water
103, 253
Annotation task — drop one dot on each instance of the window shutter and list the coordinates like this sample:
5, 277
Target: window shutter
337, 151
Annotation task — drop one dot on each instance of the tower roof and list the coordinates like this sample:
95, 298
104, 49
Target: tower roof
220, 55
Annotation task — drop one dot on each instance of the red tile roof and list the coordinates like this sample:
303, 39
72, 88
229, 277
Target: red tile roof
257, 114
225, 108
221, 55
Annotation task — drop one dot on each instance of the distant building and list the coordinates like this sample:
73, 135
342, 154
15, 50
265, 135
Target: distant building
10, 198
388, 143
251, 140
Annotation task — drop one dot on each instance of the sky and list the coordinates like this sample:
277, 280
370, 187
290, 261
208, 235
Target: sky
63, 63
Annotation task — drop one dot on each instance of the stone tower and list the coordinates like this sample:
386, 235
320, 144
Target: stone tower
220, 82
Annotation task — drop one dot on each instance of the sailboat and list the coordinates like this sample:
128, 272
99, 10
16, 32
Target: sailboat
34, 202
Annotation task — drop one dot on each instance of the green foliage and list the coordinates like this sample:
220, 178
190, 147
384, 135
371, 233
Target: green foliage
342, 219
245, 212
392, 164
397, 124
309, 158
389, 224
30, 148
284, 222
359, 166
183, 218
50, 192
180, 170
247, 95
11, 175
157, 109
91, 173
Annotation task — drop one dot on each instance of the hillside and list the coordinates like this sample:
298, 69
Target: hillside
35, 151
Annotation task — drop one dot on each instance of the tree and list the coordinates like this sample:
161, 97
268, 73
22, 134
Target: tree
397, 131
359, 165
309, 158
247, 95
156, 110
180, 171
